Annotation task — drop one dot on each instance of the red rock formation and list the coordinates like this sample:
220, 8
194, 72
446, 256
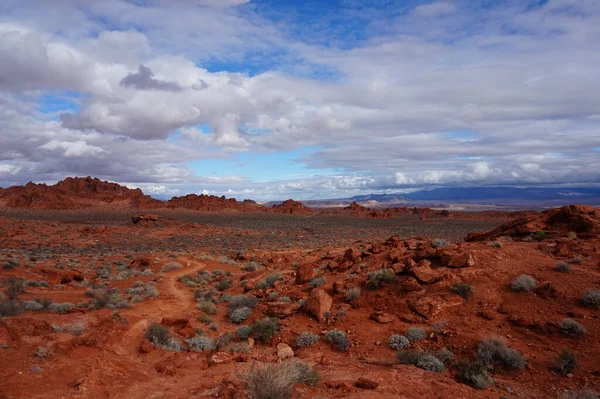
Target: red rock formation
212, 203
292, 207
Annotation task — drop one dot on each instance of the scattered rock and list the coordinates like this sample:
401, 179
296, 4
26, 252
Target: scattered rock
305, 273
220, 358
144, 218
282, 309
430, 306
382, 317
365, 383
284, 351
425, 274
319, 302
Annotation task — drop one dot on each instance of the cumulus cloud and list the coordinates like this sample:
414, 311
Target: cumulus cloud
446, 93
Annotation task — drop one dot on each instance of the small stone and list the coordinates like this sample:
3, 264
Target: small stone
284, 351
366, 383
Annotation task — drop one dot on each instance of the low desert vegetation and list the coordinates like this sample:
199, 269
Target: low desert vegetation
463, 289
306, 338
572, 328
415, 334
265, 329
523, 283
338, 340
424, 360
269, 281
317, 282
200, 343
398, 342
376, 278
474, 374
351, 295
493, 351
566, 362
591, 299
277, 380
562, 267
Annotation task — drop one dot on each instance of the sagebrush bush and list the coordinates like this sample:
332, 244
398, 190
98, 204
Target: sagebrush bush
571, 328
591, 299
240, 314
204, 318
462, 289
415, 334
494, 351
317, 281
351, 295
430, 363
376, 278
264, 329
306, 338
474, 374
565, 362
580, 395
15, 286
243, 332
200, 343
223, 285
33, 306
277, 380
439, 242
242, 301
158, 334
524, 282
61, 307
576, 260
207, 307
562, 267
11, 307
398, 342
269, 281
445, 355
338, 340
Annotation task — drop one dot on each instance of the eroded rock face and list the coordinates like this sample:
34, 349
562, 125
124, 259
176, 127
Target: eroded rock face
425, 274
319, 302
292, 207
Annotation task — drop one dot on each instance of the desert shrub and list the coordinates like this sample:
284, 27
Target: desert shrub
223, 285
240, 314
223, 340
591, 299
10, 307
209, 295
61, 307
494, 351
541, 235
524, 282
571, 328
565, 362
318, 281
45, 302
241, 301
239, 347
576, 260
473, 374
158, 334
207, 307
352, 294
33, 306
171, 266
562, 267
462, 289
43, 353
218, 272
398, 342
338, 340
264, 329
10, 264
306, 338
380, 276
15, 286
269, 281
277, 380
284, 299
273, 296
415, 334
250, 267
445, 355
430, 363
206, 319
496, 244
409, 357
439, 242
243, 332
200, 343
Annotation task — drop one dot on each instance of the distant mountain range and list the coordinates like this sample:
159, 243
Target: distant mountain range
474, 197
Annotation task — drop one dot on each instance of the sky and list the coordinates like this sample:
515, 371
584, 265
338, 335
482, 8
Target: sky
276, 99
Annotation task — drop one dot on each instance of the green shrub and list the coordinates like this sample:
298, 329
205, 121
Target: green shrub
277, 380
541, 235
462, 289
591, 299
494, 351
376, 278
243, 332
576, 260
206, 319
15, 286
33, 306
200, 343
430, 363
11, 307
473, 374
415, 334
158, 334
61, 307
398, 342
239, 315
562, 267
338, 340
307, 338
171, 266
522, 283
223, 285
571, 328
318, 281
207, 307
264, 329
352, 295
565, 362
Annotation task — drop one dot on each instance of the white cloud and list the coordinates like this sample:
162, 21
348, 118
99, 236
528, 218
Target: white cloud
435, 9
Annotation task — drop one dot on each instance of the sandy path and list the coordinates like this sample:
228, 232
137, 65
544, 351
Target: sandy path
173, 302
